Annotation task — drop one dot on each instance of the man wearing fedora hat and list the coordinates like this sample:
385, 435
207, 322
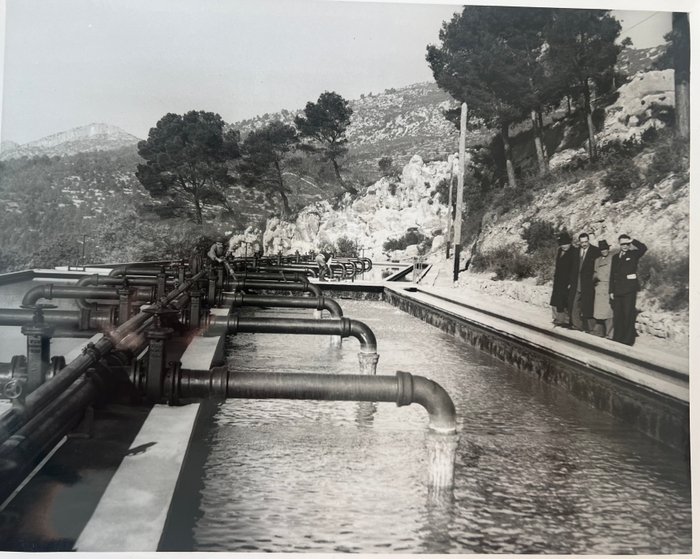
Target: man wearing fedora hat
602, 306
562, 279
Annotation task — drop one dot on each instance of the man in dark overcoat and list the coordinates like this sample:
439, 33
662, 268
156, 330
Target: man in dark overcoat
623, 288
582, 289
561, 282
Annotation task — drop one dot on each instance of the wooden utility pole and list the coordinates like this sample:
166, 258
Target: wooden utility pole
449, 216
460, 191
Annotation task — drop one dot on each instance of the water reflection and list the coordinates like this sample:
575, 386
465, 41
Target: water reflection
534, 470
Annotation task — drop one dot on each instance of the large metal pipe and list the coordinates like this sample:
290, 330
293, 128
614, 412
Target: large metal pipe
404, 389
275, 286
319, 303
64, 318
97, 280
121, 338
275, 276
51, 291
301, 269
39, 434
138, 282
343, 327
127, 270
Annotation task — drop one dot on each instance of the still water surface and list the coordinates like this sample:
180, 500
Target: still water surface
536, 471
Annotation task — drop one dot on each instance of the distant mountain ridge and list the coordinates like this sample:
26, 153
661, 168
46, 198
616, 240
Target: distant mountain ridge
92, 137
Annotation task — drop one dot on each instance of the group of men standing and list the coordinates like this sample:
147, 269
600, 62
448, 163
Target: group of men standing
596, 291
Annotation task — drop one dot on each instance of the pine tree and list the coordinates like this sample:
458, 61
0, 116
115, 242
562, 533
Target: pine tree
324, 125
476, 65
264, 152
187, 158
581, 52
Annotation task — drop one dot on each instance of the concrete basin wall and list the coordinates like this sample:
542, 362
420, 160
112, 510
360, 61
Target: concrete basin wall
662, 416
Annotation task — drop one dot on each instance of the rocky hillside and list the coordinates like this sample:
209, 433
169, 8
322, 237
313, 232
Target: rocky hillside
575, 205
93, 137
387, 210
397, 123
572, 198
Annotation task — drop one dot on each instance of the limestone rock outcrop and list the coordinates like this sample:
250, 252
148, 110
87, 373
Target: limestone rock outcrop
641, 104
387, 210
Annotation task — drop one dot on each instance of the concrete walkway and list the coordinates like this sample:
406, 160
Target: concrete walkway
646, 348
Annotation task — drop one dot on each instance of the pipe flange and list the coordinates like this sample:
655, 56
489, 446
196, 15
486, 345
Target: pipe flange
345, 327
404, 392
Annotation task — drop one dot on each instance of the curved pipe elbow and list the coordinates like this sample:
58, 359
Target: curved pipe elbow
359, 330
434, 398
331, 305
311, 287
118, 271
35, 293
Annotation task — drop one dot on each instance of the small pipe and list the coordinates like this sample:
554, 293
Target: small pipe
51, 291
127, 270
274, 276
240, 299
404, 389
343, 327
275, 286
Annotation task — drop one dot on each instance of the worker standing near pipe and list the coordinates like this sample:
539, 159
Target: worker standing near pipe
216, 252
323, 268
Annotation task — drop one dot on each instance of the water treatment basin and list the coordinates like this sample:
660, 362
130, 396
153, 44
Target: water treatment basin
536, 470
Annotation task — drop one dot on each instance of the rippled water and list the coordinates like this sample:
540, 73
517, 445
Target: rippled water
536, 471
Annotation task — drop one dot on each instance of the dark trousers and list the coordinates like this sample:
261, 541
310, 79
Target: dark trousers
624, 316
578, 321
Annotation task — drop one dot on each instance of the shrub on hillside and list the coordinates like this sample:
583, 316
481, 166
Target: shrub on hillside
508, 262
671, 156
411, 237
346, 247
540, 234
665, 281
386, 166
621, 178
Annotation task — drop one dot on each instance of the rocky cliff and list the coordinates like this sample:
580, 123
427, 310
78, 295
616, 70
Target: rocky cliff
387, 210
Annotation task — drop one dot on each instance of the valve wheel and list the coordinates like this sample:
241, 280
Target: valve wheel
13, 389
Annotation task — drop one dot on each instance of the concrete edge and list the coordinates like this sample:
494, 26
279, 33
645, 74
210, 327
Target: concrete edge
141, 490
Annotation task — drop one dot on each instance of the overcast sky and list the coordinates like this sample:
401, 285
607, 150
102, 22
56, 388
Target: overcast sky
128, 62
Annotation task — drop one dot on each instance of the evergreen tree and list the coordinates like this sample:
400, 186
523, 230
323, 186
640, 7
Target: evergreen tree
476, 65
523, 30
582, 52
325, 125
187, 158
264, 152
